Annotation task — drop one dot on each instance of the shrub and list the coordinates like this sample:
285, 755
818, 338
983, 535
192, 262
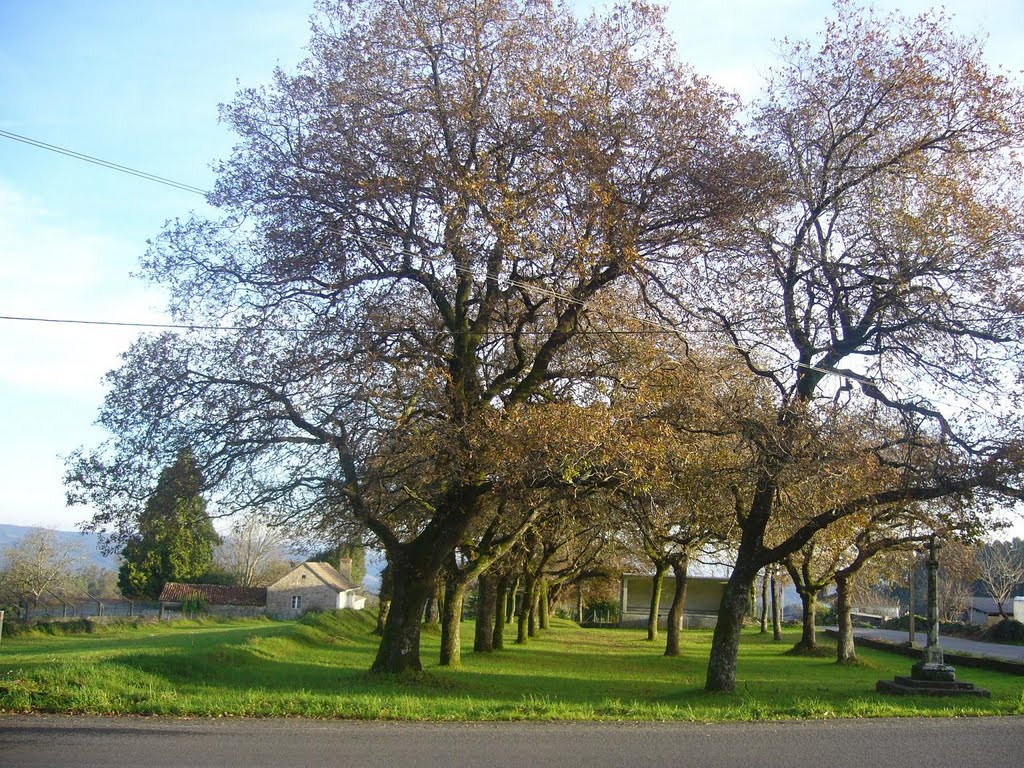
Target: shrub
194, 603
1006, 631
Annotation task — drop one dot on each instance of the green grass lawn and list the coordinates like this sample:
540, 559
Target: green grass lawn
318, 668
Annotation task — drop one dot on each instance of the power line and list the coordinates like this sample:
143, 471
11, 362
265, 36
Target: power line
653, 331
104, 163
125, 324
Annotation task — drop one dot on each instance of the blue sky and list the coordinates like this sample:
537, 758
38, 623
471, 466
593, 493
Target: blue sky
138, 83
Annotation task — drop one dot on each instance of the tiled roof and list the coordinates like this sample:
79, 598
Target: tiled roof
325, 572
214, 594
330, 576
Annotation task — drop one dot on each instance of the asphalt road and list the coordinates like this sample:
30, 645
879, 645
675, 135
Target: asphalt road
948, 644
25, 742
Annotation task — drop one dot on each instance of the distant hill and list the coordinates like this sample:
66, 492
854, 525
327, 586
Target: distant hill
12, 534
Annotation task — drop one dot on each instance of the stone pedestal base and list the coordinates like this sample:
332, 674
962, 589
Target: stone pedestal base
933, 673
913, 686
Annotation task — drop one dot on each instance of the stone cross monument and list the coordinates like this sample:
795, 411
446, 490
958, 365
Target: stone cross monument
931, 666
931, 676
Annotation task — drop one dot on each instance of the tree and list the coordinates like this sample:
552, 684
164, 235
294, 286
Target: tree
174, 538
881, 279
95, 581
39, 564
415, 225
252, 554
958, 573
1001, 570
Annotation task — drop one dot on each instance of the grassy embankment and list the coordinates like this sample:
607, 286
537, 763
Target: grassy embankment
317, 668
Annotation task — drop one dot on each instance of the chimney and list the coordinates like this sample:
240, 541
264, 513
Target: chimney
345, 568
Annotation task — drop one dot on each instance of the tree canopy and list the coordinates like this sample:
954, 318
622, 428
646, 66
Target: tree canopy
444, 236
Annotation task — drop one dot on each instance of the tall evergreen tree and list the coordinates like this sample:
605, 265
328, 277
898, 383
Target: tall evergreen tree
175, 538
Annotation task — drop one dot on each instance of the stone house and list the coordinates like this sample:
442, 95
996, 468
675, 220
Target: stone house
313, 587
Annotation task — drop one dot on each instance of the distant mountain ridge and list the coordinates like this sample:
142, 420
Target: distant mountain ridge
12, 534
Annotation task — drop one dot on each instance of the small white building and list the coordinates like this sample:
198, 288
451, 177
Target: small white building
313, 587
703, 597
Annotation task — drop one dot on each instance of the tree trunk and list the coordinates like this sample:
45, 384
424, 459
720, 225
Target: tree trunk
579, 604
486, 605
510, 609
675, 612
657, 581
776, 605
764, 602
385, 600
525, 604
399, 649
534, 611
432, 613
808, 637
544, 597
846, 653
451, 622
382, 615
725, 643
500, 602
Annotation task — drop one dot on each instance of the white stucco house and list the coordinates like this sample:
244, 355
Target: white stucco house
313, 586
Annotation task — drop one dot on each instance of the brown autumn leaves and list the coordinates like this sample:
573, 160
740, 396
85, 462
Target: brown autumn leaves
489, 252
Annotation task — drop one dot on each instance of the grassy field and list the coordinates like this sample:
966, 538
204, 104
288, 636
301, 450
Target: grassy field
317, 668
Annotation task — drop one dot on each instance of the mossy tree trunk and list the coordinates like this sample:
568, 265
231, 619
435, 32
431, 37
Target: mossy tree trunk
511, 609
534, 612
657, 583
680, 568
399, 649
726, 640
500, 601
451, 622
525, 609
808, 636
846, 653
764, 601
776, 583
486, 607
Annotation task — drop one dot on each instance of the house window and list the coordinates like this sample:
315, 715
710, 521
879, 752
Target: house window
296, 602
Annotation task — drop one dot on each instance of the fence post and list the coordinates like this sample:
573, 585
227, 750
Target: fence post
1, 626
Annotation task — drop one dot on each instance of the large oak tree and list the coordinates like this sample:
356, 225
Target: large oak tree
414, 224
